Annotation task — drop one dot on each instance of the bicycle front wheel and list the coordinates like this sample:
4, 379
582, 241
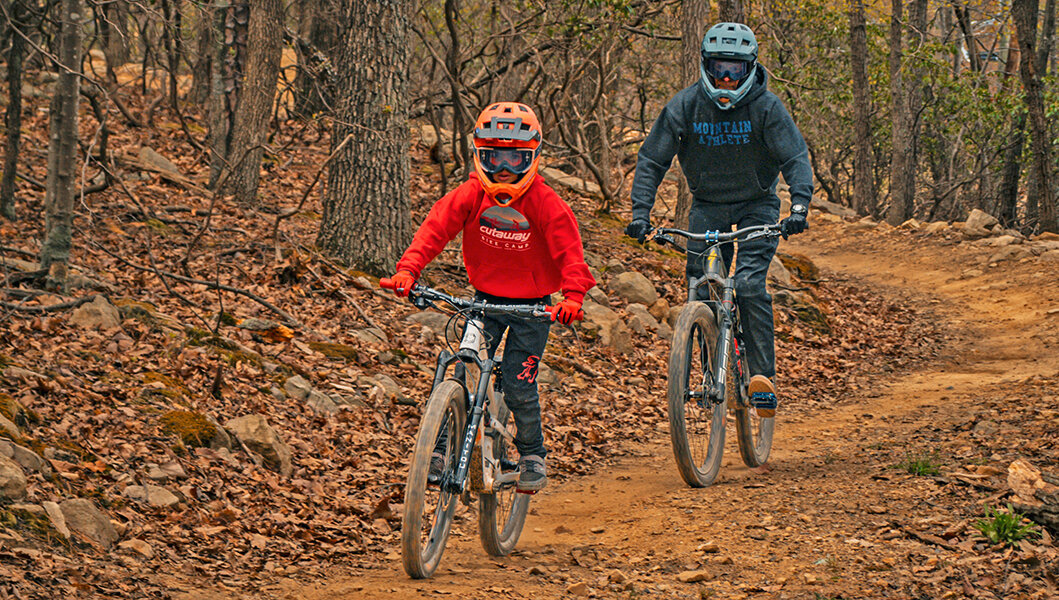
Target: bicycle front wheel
696, 424
428, 510
503, 512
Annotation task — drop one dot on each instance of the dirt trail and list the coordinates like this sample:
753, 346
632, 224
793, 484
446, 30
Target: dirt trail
825, 521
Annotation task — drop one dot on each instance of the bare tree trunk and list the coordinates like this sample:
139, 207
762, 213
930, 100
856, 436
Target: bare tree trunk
1011, 168
232, 21
173, 47
115, 30
62, 148
366, 208
205, 54
1024, 13
731, 11
312, 85
265, 44
13, 118
693, 15
1008, 193
863, 170
907, 90
452, 64
964, 19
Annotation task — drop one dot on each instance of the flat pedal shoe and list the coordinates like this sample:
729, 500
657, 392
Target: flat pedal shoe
762, 396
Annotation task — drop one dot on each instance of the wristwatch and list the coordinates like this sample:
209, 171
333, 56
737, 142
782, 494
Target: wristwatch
799, 209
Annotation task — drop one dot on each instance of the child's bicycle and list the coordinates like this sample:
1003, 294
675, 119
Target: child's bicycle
707, 366
467, 429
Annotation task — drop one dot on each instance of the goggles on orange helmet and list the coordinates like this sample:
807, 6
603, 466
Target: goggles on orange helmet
516, 160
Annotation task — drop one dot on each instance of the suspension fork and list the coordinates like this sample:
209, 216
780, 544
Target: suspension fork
726, 311
474, 420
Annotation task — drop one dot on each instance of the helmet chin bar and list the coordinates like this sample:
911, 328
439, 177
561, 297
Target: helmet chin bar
732, 96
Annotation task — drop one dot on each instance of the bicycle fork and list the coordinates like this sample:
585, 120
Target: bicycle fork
724, 342
458, 483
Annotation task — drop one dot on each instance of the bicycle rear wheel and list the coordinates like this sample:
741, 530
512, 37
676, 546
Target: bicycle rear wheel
754, 432
696, 425
428, 510
503, 512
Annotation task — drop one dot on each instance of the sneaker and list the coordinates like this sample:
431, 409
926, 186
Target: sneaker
762, 396
437, 469
531, 475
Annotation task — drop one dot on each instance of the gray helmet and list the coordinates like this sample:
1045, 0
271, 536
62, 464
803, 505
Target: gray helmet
728, 44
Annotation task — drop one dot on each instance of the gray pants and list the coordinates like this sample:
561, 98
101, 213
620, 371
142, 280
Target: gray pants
526, 339
751, 269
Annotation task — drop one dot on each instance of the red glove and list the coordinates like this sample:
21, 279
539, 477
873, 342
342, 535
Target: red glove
401, 283
567, 311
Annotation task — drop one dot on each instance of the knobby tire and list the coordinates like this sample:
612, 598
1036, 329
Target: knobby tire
503, 513
696, 426
427, 518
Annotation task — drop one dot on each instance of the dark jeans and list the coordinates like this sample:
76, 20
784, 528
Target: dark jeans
523, 350
751, 269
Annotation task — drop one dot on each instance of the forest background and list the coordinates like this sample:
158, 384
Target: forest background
911, 110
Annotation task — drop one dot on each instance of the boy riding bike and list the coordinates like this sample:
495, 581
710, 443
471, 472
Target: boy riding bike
520, 244
733, 138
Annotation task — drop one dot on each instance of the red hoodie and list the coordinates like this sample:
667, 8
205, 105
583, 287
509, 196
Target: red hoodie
527, 249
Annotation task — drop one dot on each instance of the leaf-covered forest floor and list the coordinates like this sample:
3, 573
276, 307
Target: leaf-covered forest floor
925, 362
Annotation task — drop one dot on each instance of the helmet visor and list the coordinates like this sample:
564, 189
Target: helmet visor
733, 70
516, 160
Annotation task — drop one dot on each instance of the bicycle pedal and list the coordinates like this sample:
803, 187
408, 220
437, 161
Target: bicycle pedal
527, 492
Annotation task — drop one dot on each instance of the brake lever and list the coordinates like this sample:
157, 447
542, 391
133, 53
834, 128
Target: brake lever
665, 238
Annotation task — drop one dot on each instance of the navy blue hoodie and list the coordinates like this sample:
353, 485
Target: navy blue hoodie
727, 156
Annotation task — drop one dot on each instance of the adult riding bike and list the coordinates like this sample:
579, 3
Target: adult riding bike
708, 373
468, 432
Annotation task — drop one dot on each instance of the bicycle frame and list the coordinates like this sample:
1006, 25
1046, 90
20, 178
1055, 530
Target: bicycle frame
482, 401
727, 318
725, 308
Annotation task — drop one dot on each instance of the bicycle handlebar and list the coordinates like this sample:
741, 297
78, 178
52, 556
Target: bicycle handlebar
664, 235
423, 296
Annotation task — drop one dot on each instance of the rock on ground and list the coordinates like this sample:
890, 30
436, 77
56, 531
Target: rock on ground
613, 332
634, 287
255, 432
25, 457
55, 515
12, 479
97, 314
154, 495
434, 321
84, 519
138, 546
297, 388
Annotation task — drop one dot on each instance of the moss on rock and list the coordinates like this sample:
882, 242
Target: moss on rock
330, 350
799, 264
193, 429
35, 524
16, 413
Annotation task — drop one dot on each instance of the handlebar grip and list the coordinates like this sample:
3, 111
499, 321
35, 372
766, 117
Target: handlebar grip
554, 311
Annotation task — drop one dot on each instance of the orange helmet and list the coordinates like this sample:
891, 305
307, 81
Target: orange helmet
507, 136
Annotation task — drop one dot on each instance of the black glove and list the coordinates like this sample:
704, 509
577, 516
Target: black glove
638, 229
796, 223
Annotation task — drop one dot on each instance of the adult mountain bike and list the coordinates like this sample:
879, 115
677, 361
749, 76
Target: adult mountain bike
708, 374
468, 432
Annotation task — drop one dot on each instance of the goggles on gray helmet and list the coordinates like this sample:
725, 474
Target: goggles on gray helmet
720, 69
